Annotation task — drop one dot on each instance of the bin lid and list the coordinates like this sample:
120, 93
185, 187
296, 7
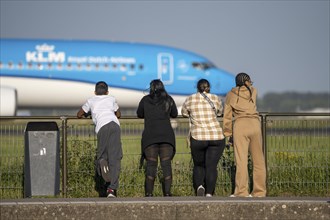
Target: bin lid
42, 126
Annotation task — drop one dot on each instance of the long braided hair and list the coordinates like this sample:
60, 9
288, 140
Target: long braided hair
240, 80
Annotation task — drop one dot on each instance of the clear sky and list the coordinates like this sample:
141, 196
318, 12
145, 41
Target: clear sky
283, 45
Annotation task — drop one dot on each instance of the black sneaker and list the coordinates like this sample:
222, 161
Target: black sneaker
111, 193
105, 170
200, 191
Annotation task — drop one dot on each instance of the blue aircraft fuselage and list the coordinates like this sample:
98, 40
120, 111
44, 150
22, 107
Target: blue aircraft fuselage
126, 67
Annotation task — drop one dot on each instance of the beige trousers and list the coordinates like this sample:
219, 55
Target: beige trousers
248, 139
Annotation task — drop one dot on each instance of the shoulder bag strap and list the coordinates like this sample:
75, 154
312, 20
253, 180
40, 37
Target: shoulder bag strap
211, 103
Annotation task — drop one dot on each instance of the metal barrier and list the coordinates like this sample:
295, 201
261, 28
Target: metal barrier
296, 146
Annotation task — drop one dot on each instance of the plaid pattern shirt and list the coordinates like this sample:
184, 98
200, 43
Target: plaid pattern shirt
203, 122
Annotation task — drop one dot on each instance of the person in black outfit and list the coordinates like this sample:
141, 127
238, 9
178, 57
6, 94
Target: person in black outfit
158, 139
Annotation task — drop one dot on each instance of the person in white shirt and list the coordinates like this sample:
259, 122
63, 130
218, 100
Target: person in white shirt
105, 113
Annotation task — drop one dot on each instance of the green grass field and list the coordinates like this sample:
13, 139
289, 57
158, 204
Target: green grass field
297, 161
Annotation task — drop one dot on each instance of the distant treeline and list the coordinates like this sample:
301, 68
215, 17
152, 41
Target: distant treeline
293, 102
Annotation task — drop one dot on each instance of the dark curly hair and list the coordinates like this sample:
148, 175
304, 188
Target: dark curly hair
101, 88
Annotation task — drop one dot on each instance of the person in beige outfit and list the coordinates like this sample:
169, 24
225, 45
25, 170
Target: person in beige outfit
241, 124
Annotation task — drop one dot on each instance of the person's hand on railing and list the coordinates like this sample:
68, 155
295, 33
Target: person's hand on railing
88, 114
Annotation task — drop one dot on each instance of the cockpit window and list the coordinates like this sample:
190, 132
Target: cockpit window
202, 66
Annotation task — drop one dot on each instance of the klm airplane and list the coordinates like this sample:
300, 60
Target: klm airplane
63, 73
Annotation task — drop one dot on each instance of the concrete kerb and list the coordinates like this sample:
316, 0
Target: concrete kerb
173, 208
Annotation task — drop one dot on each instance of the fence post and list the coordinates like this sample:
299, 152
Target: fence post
64, 155
264, 141
263, 130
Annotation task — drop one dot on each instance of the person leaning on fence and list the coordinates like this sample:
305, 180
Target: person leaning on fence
158, 139
245, 133
105, 113
206, 138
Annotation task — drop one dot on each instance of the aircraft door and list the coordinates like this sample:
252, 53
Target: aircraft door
165, 68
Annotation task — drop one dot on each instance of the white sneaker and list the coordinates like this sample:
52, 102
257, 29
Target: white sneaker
233, 196
208, 195
200, 191
111, 193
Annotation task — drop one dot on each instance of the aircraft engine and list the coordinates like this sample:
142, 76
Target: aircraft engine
8, 101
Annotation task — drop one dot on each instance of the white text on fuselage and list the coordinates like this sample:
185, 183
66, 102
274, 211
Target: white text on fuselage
101, 59
45, 54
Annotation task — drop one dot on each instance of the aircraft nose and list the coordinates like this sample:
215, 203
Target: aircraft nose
224, 83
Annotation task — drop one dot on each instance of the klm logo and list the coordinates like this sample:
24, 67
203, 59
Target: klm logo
45, 53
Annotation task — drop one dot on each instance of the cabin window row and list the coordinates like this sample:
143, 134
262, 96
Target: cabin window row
76, 66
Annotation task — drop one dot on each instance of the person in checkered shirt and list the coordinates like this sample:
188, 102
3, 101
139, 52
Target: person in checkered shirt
207, 141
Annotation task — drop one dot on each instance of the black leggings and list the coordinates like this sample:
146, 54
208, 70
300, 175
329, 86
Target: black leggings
206, 155
165, 153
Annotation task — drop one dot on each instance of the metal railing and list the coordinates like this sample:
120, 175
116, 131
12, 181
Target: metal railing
296, 147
